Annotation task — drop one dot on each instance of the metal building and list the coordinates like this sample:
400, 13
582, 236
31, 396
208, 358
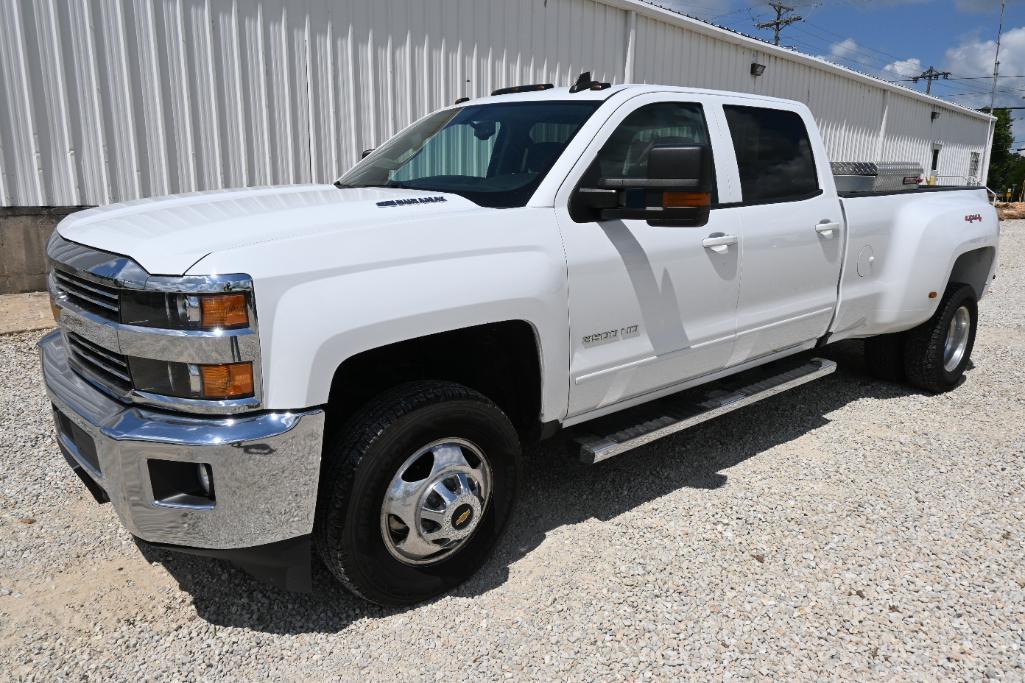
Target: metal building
109, 100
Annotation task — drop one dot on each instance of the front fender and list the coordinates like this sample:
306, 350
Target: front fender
325, 298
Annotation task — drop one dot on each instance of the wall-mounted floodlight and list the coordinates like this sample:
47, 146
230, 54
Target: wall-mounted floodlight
757, 69
935, 115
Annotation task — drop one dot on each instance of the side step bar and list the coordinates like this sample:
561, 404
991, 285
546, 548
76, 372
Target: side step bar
621, 432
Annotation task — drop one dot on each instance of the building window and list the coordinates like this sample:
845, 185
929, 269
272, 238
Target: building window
935, 159
973, 166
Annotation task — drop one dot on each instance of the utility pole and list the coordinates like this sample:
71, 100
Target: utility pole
781, 21
987, 153
930, 75
996, 58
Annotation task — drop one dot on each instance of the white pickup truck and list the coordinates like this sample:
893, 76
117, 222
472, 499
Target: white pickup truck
354, 367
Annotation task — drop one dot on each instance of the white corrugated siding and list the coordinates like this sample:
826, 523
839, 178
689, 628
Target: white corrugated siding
850, 113
103, 100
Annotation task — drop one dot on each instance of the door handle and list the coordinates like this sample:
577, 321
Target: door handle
826, 228
719, 242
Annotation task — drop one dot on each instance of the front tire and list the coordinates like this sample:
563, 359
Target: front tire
937, 352
416, 491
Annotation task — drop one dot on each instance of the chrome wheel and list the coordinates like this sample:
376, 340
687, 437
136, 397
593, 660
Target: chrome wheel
435, 501
956, 343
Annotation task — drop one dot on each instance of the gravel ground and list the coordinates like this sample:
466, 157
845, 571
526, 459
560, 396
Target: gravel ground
845, 529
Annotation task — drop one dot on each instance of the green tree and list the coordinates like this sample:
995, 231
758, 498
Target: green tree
1006, 167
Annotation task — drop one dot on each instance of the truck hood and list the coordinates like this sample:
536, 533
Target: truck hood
167, 235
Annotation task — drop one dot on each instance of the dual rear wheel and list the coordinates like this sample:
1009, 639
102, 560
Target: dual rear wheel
933, 356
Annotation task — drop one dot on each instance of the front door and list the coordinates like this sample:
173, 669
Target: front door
649, 307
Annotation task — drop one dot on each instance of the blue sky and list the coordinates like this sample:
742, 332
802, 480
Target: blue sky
896, 39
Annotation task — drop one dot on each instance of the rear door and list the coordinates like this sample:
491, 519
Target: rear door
649, 307
791, 225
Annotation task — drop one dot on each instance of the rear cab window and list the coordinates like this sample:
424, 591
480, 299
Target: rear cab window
774, 155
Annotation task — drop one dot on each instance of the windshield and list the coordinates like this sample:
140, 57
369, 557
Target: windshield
493, 154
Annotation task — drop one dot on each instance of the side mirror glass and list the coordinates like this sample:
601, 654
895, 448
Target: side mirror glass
677, 191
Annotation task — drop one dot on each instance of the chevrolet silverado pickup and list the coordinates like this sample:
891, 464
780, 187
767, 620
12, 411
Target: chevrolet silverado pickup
350, 370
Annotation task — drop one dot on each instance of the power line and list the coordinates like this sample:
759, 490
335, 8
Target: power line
736, 11
812, 24
858, 59
781, 21
976, 78
861, 57
976, 93
867, 59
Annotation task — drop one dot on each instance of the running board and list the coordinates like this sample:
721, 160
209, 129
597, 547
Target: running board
634, 427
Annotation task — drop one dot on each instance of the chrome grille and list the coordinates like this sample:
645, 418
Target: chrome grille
108, 367
93, 296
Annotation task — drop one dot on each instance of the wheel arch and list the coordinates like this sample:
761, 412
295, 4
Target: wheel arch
502, 360
973, 268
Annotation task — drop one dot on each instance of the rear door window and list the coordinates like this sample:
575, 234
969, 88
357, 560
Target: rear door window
774, 155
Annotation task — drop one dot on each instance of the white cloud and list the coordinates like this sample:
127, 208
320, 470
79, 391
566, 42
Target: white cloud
849, 53
903, 68
974, 57
844, 48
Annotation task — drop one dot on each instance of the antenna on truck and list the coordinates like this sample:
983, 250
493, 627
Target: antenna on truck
584, 82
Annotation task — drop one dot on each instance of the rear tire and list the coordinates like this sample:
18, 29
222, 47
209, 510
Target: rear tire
429, 427
884, 356
937, 352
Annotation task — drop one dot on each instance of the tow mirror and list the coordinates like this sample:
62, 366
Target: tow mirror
676, 192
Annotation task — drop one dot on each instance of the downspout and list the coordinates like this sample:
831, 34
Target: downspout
631, 43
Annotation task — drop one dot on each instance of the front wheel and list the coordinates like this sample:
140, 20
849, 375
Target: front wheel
416, 491
937, 352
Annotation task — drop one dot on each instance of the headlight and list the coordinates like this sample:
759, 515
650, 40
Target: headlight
192, 380
185, 311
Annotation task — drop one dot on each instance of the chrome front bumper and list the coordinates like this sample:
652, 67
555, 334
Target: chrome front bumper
265, 467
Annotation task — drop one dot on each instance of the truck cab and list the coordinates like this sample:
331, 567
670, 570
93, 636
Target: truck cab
355, 367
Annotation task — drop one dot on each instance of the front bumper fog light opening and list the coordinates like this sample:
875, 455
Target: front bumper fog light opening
182, 484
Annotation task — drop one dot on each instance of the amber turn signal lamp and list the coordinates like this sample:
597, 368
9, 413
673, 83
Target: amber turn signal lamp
230, 380
224, 310
680, 200
55, 309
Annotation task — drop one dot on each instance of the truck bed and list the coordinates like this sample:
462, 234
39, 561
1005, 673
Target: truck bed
902, 247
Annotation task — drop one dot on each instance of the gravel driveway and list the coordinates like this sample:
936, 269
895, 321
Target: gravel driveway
848, 528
